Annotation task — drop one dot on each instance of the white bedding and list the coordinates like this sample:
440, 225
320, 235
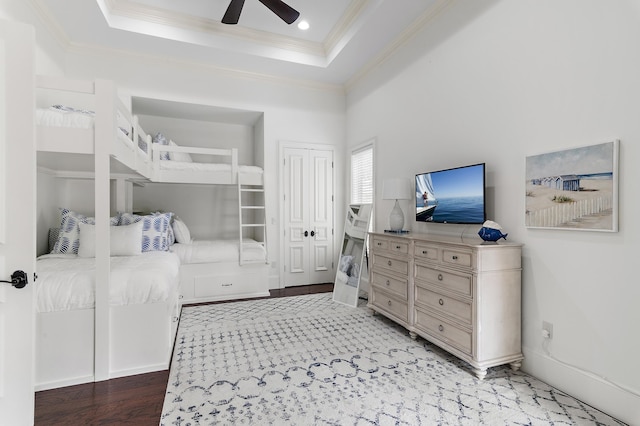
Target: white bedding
66, 282
205, 167
54, 117
211, 251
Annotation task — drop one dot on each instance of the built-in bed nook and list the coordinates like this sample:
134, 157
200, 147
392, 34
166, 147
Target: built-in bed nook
111, 280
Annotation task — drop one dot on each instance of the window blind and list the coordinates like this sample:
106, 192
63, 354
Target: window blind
362, 175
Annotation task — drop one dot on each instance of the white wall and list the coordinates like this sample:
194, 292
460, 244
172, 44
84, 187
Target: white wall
49, 54
203, 134
496, 81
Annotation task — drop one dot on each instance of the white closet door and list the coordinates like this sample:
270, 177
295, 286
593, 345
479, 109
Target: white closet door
17, 221
308, 216
296, 201
321, 217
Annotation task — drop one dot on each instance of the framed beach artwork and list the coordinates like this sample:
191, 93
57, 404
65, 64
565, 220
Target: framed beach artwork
574, 189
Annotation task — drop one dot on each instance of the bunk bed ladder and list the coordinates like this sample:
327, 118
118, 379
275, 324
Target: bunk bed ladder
251, 209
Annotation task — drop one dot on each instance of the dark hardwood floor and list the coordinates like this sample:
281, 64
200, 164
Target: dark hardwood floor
135, 400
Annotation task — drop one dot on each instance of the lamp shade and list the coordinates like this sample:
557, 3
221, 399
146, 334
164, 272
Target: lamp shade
396, 189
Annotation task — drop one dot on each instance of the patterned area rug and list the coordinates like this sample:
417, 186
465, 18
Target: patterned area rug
306, 360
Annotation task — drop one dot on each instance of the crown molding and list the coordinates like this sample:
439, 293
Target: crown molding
417, 25
354, 11
47, 18
160, 60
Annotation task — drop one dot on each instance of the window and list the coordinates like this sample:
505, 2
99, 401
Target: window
362, 174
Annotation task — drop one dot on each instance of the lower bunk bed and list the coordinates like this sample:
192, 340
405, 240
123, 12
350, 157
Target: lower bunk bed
144, 310
210, 270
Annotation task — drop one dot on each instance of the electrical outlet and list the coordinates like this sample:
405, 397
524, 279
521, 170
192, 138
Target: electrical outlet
547, 330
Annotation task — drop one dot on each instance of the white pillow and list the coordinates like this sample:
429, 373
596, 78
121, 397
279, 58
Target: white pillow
181, 231
125, 240
179, 156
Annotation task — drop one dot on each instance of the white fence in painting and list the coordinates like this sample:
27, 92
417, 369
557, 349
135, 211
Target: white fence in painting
563, 213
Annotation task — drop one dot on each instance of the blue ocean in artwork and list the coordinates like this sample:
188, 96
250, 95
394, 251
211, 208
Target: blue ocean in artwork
458, 209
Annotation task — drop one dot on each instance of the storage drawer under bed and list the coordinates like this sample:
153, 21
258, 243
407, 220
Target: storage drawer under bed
225, 285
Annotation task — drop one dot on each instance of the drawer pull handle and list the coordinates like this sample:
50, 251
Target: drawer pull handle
398, 247
389, 303
441, 302
379, 244
424, 252
227, 284
388, 282
440, 277
441, 328
389, 262
454, 257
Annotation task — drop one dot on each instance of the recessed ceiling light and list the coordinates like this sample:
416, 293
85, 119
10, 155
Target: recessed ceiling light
303, 25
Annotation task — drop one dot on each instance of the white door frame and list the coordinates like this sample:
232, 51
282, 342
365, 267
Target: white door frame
17, 221
282, 146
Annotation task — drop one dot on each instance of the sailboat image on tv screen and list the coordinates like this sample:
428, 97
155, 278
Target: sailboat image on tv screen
426, 201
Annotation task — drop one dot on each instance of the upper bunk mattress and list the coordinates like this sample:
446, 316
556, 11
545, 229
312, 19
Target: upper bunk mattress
67, 282
212, 251
61, 116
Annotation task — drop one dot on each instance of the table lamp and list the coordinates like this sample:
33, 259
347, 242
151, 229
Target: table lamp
396, 189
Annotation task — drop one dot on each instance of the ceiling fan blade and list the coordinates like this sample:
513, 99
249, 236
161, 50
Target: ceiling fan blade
232, 15
283, 10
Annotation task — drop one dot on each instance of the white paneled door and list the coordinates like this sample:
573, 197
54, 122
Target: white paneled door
17, 222
308, 216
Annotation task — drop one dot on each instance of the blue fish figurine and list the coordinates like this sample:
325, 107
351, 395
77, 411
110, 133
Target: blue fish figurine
491, 231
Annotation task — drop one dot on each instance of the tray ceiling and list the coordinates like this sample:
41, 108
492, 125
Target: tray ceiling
345, 36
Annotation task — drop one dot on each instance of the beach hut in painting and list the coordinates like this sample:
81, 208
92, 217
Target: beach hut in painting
562, 182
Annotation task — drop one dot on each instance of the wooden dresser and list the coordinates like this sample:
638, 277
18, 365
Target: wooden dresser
460, 294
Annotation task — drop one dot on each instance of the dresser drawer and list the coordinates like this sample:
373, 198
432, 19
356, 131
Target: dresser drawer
425, 252
380, 244
456, 257
459, 283
449, 306
399, 266
399, 247
393, 306
444, 331
391, 284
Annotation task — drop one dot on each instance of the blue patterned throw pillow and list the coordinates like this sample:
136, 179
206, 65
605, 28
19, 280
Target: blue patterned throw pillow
68, 240
155, 230
159, 138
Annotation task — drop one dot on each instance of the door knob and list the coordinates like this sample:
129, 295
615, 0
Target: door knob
313, 233
306, 233
18, 279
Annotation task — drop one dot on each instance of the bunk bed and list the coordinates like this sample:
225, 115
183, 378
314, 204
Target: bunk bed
213, 270
143, 316
98, 138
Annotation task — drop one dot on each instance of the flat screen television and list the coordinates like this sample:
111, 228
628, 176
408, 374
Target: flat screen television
451, 196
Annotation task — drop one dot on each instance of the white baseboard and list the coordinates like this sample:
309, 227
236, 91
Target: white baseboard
63, 383
592, 390
152, 368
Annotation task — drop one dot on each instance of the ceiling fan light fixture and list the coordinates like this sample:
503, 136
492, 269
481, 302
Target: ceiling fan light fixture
303, 25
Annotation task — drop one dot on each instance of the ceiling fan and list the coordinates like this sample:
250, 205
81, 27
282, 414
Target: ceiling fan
284, 11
